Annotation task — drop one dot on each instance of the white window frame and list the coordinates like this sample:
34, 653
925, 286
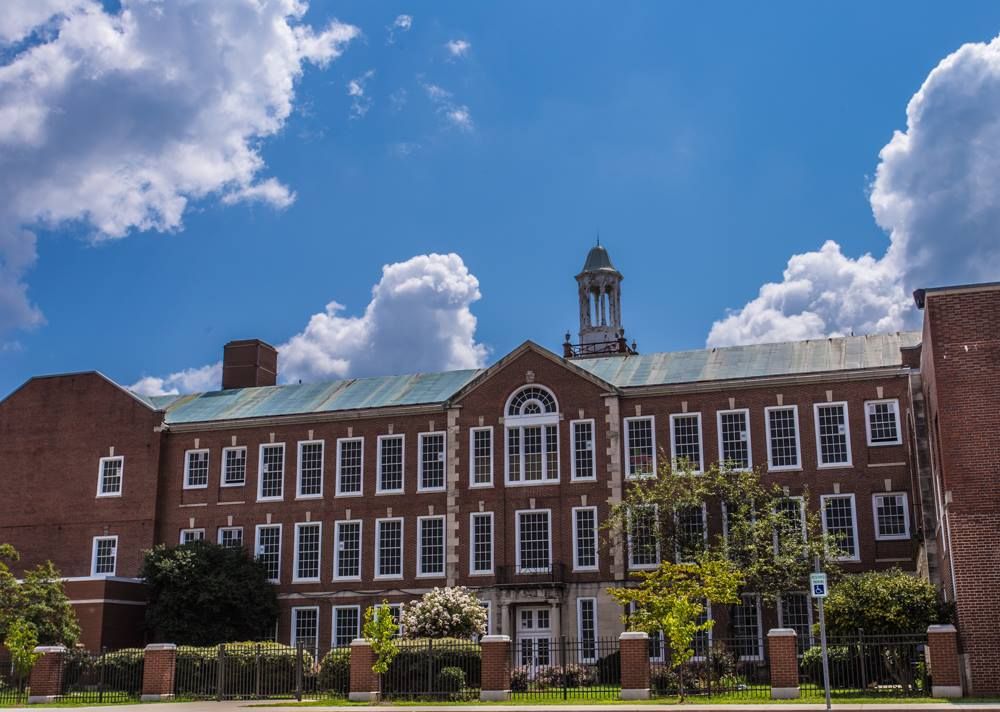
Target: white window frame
771, 467
339, 490
628, 541
517, 540
906, 516
518, 424
295, 559
218, 534
402, 464
576, 550
193, 530
718, 430
625, 440
472, 544
847, 441
579, 629
854, 522
420, 546
260, 472
444, 461
704, 531
256, 545
472, 457
868, 422
709, 632
760, 630
402, 548
292, 633
222, 466
593, 449
809, 613
801, 500
336, 610
701, 441
298, 469
93, 555
187, 467
100, 476
336, 548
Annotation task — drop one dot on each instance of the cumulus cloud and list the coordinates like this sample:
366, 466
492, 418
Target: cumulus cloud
360, 102
116, 120
936, 193
418, 320
401, 24
455, 114
457, 48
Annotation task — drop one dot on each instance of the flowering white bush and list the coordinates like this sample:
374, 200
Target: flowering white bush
445, 613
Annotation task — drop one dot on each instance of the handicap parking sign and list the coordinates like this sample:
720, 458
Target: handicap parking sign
817, 583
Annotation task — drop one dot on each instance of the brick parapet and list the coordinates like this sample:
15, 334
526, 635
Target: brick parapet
635, 665
782, 648
946, 675
496, 655
158, 670
46, 678
364, 681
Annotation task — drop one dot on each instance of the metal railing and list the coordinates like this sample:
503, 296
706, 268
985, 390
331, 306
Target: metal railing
734, 667
878, 665
447, 669
509, 575
565, 668
13, 686
103, 677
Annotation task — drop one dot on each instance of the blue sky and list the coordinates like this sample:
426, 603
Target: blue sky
707, 143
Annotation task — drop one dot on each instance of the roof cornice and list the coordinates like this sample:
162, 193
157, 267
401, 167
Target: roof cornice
306, 418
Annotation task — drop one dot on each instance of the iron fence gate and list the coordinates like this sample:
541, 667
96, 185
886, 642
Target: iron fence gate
103, 677
733, 667
565, 668
447, 669
13, 685
877, 665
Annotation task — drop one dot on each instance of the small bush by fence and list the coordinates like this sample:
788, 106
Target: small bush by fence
103, 677
718, 668
566, 668
869, 664
448, 669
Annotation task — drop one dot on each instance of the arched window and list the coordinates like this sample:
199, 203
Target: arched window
532, 429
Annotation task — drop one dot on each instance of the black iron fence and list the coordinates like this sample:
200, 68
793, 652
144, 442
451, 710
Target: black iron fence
889, 665
103, 677
447, 669
13, 685
565, 668
734, 667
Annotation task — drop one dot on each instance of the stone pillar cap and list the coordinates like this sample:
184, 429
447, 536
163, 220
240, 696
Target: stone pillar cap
777, 632
942, 628
359, 642
50, 649
495, 639
634, 635
160, 646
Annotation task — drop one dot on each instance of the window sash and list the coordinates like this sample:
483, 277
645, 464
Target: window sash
882, 425
833, 435
691, 535
749, 639
584, 538
431, 462
308, 545
196, 469
104, 558
191, 535
309, 476
389, 548
350, 466
783, 448
841, 521
347, 550
305, 628
481, 460
110, 476
892, 516
271, 472
346, 625
231, 537
534, 541
643, 543
391, 463
586, 628
431, 546
532, 454
795, 612
686, 440
640, 447
583, 465
481, 543
735, 446
267, 549
234, 466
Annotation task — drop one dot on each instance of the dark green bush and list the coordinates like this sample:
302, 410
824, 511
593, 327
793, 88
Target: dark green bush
572, 675
251, 669
335, 671
451, 679
843, 665
609, 669
415, 669
519, 679
118, 670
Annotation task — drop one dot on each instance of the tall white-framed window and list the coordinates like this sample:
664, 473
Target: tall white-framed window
784, 451
736, 513
640, 447
389, 548
840, 520
793, 512
430, 462
305, 628
686, 449
430, 546
531, 426
582, 466
690, 532
702, 642
586, 628
534, 541
231, 537
347, 550
346, 625
882, 422
271, 472
110, 476
192, 535
234, 466
795, 612
643, 541
892, 516
267, 549
309, 470
104, 556
749, 638
308, 544
735, 449
350, 466
833, 436
390, 464
196, 469
584, 538
481, 543
481, 457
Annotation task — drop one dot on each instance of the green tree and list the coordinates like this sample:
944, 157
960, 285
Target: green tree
39, 600
672, 597
380, 631
883, 602
204, 594
21, 641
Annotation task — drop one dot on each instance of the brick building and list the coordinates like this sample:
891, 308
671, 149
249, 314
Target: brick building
497, 479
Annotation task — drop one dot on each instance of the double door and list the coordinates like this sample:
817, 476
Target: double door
534, 639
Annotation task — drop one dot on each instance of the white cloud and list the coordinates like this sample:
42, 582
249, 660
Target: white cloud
360, 103
455, 114
936, 193
418, 320
458, 48
402, 23
115, 121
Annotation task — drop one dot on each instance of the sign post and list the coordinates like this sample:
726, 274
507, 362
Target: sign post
817, 586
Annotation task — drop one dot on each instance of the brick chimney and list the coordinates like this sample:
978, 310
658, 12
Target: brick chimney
248, 363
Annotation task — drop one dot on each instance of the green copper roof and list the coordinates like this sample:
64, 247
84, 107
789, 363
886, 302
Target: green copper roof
598, 259
791, 358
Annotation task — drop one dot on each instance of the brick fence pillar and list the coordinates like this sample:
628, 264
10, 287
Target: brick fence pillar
782, 649
495, 668
158, 667
45, 682
635, 665
364, 682
946, 676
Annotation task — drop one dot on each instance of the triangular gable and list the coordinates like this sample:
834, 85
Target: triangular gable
524, 348
118, 386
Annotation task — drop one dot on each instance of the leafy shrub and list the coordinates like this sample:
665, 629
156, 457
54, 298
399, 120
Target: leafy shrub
609, 669
416, 667
574, 676
519, 679
888, 602
335, 671
118, 670
453, 612
843, 665
251, 669
451, 679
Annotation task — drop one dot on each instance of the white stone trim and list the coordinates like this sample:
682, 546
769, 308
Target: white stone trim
634, 635
784, 693
637, 694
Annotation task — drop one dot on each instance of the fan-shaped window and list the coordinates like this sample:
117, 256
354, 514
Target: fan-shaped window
532, 400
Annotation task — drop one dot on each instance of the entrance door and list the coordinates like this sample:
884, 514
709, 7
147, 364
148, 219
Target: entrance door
534, 639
